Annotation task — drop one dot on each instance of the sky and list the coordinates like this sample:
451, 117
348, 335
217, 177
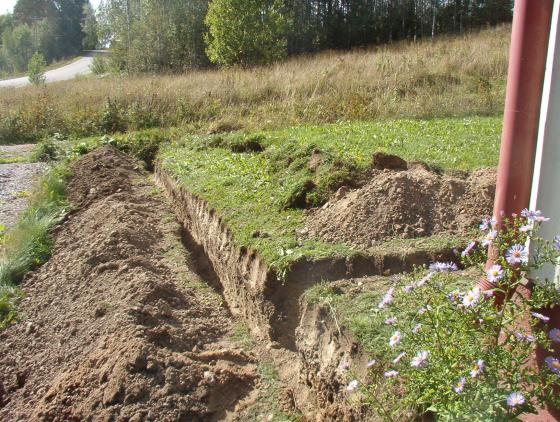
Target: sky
8, 5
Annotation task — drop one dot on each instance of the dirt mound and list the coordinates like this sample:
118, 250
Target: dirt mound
411, 203
113, 327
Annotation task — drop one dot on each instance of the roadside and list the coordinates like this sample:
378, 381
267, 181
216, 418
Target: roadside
52, 66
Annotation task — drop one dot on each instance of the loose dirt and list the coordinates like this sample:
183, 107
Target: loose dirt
116, 325
416, 202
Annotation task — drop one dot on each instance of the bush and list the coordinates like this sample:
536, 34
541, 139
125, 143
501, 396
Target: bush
36, 69
454, 353
99, 65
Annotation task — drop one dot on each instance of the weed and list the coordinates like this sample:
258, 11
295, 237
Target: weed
242, 335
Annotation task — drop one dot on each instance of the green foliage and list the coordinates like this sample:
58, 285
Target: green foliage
246, 32
89, 27
36, 69
456, 353
99, 65
18, 45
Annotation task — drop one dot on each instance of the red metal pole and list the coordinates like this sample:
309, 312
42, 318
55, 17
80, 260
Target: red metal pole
528, 52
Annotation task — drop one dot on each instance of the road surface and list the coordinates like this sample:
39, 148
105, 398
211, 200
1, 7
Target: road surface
78, 67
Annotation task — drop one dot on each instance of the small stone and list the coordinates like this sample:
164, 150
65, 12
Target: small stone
29, 328
209, 377
92, 191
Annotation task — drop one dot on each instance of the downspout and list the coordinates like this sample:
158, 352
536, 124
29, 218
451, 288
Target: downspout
528, 52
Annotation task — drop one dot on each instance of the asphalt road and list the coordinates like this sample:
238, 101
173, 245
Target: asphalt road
79, 67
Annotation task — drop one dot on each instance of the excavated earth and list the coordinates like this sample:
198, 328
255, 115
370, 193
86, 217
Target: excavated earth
116, 326
412, 202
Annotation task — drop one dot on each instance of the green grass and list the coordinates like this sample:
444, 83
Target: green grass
261, 192
29, 244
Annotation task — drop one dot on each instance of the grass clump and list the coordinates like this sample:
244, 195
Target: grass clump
28, 244
262, 195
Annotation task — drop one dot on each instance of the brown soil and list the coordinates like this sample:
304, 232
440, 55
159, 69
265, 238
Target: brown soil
412, 203
116, 325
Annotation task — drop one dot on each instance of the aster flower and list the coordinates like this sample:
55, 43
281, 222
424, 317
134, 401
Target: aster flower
556, 242
495, 273
489, 238
526, 228
371, 362
426, 278
408, 288
515, 399
417, 328
478, 368
542, 317
399, 357
517, 254
553, 364
443, 267
391, 374
420, 360
390, 321
487, 223
387, 298
471, 298
536, 216
395, 339
352, 385
455, 296
468, 249
524, 337
554, 335
424, 309
460, 385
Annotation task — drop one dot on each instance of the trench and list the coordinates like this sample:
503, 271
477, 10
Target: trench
305, 337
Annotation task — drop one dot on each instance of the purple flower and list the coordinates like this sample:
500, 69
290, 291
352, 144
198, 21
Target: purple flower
471, 298
517, 254
408, 288
391, 374
352, 385
522, 337
395, 339
426, 278
526, 228
371, 363
556, 242
399, 357
455, 296
553, 364
487, 223
535, 216
515, 399
417, 328
424, 309
420, 360
468, 249
460, 385
554, 335
387, 299
391, 321
495, 273
489, 238
443, 267
478, 368
540, 316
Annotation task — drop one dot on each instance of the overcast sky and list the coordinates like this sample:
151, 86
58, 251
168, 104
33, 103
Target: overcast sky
8, 5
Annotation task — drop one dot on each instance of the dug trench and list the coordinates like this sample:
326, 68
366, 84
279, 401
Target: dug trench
134, 316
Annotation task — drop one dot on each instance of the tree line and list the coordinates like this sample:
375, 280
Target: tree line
55, 29
174, 35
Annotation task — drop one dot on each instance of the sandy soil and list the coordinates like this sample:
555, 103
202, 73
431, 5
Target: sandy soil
117, 326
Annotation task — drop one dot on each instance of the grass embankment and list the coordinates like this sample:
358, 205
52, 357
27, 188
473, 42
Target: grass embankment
261, 194
452, 76
28, 244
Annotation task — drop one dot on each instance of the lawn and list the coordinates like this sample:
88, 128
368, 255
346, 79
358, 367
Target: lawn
260, 191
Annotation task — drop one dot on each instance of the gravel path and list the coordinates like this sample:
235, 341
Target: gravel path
16, 180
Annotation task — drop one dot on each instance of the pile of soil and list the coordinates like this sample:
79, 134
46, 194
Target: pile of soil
411, 203
112, 327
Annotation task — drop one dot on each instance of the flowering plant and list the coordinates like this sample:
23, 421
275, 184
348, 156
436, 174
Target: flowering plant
468, 352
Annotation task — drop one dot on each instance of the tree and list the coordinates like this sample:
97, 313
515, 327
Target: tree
89, 27
246, 32
19, 47
36, 69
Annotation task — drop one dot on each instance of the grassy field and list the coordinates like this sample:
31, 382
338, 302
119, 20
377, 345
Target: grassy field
260, 191
452, 76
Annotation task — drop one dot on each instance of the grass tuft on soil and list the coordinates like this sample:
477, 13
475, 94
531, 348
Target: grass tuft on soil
262, 192
28, 244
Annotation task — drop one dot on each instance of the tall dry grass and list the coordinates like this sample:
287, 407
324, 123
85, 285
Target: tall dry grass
449, 76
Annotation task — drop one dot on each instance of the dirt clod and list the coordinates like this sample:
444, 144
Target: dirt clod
411, 203
114, 322
383, 161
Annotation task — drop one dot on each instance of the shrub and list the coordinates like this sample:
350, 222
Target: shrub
99, 65
454, 353
36, 69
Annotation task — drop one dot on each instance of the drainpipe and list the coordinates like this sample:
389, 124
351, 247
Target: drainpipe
528, 52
